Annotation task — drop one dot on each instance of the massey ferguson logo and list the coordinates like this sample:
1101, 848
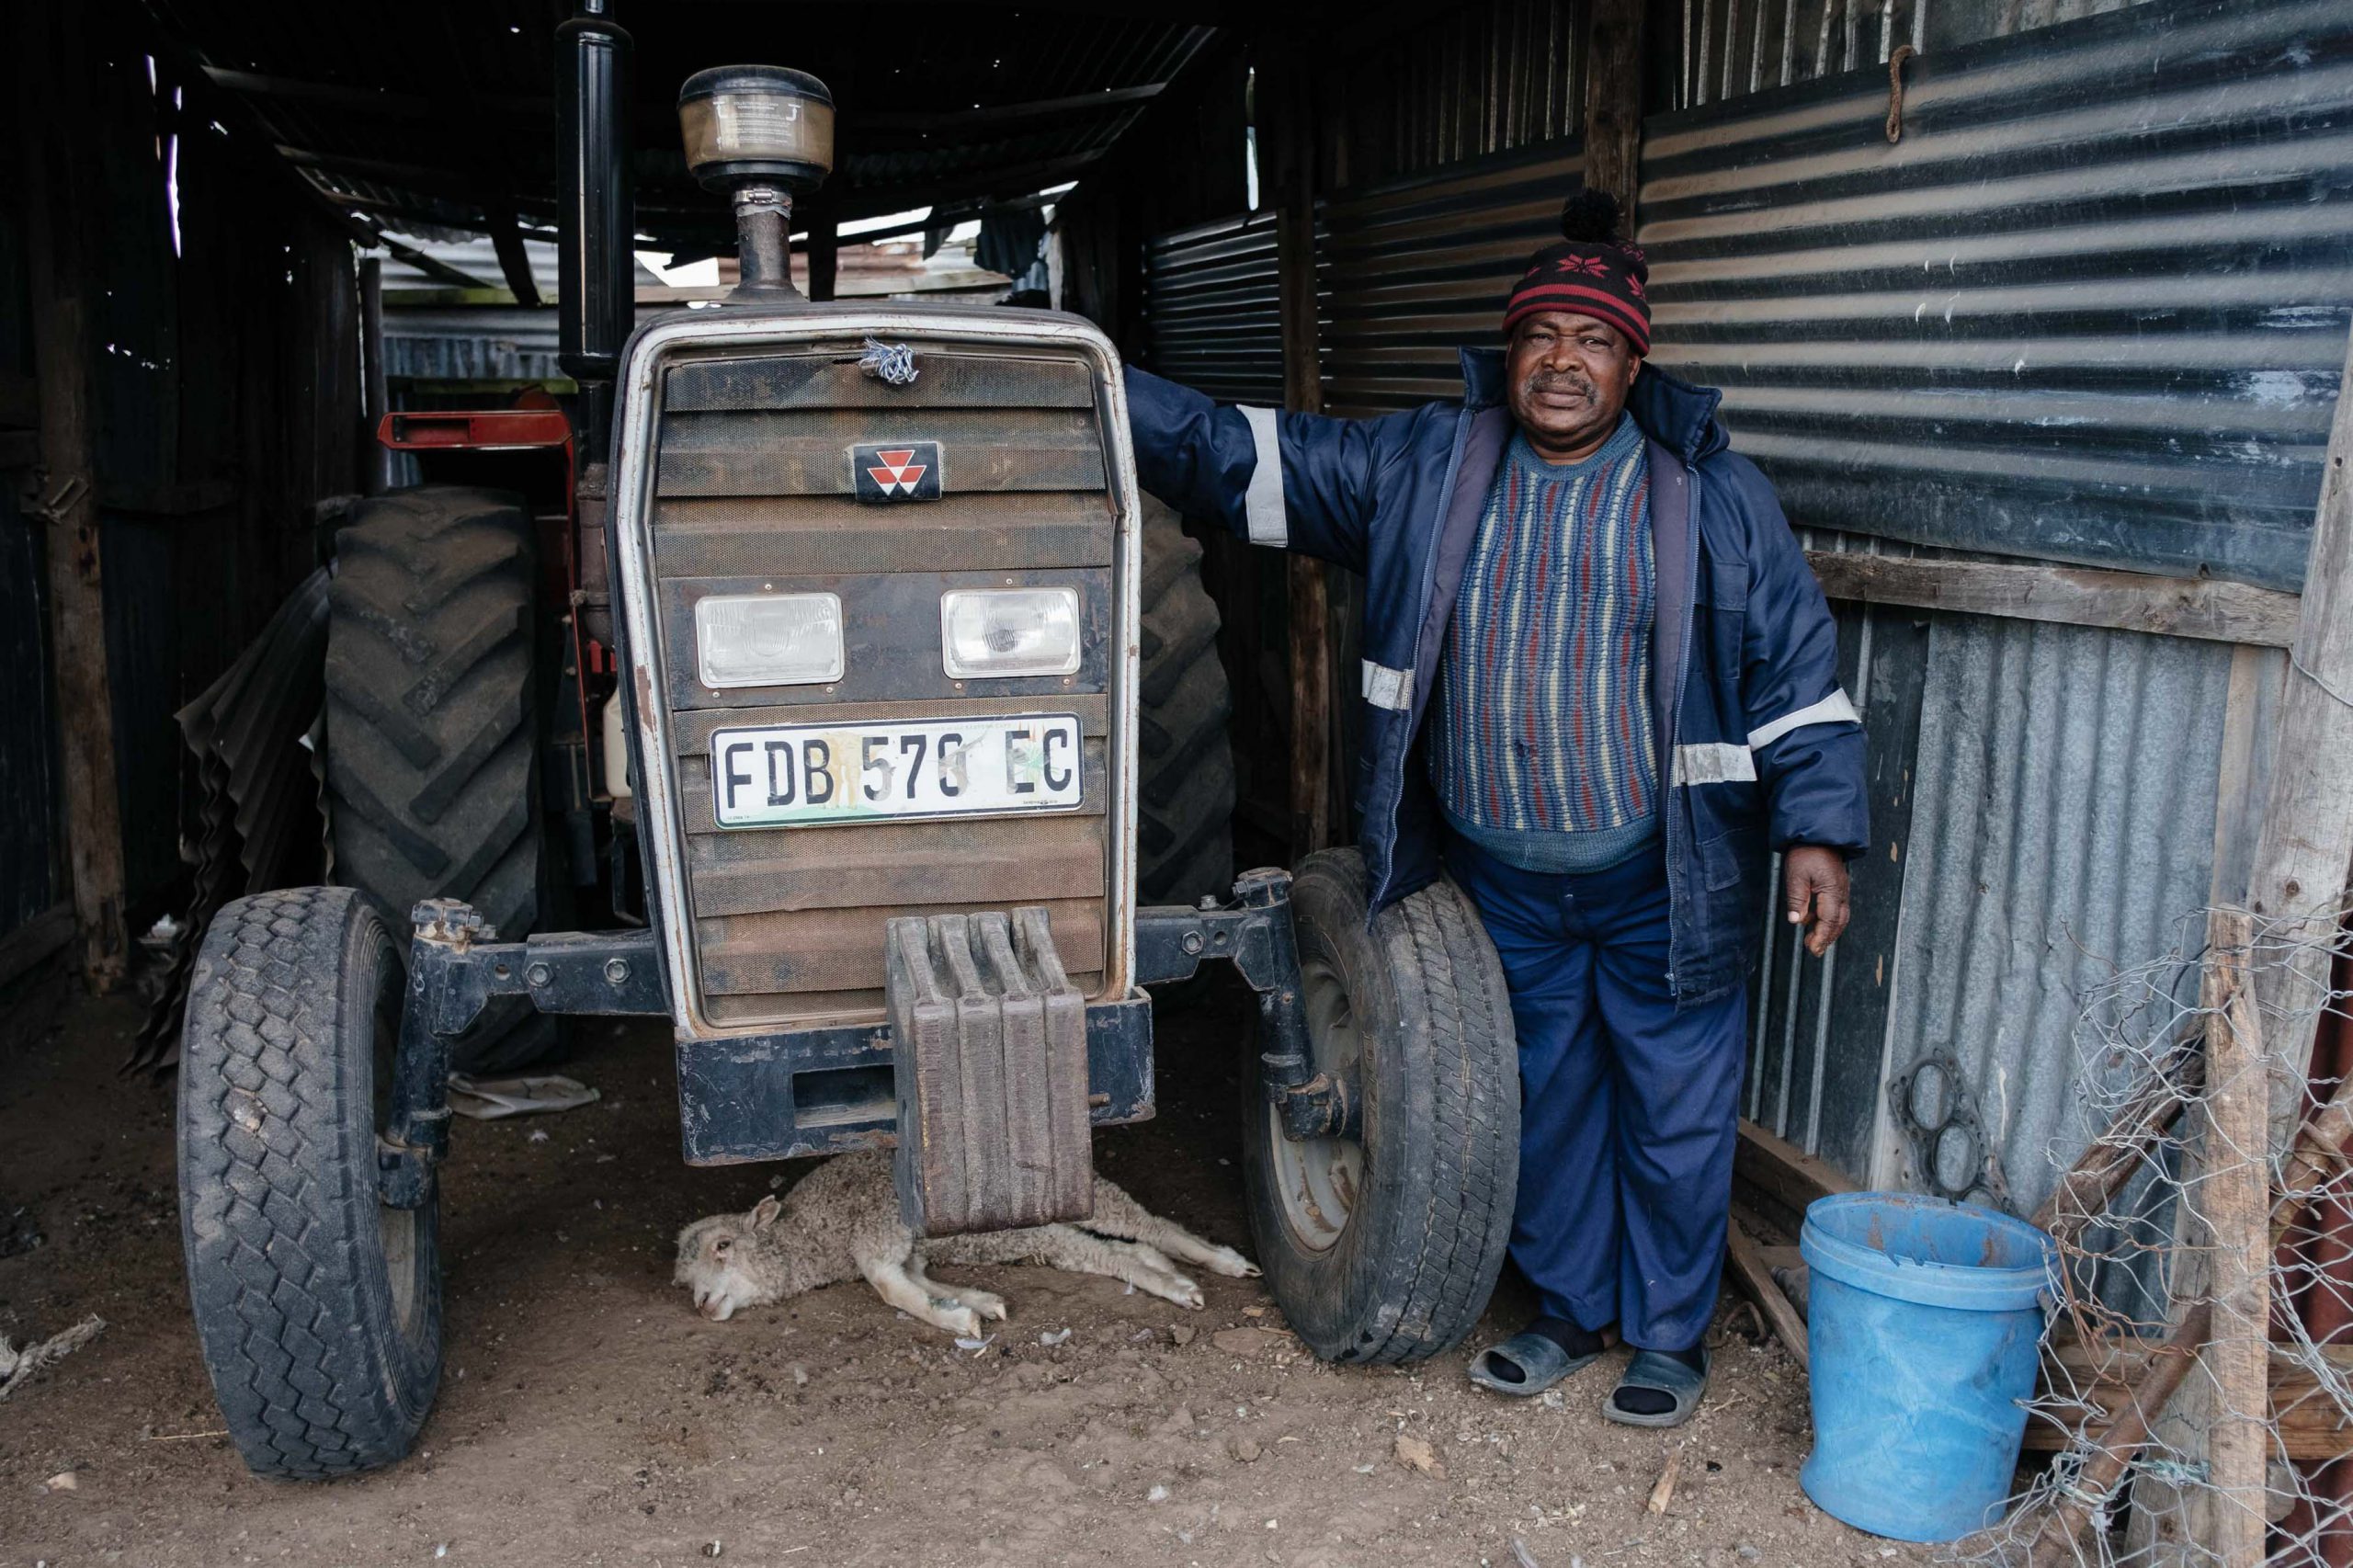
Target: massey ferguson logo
908, 473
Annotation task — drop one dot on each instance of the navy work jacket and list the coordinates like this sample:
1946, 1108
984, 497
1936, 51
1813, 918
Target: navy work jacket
1765, 750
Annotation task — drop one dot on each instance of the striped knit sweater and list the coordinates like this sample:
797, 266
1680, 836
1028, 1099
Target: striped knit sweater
1540, 746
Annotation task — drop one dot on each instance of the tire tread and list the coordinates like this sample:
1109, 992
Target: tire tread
268, 1191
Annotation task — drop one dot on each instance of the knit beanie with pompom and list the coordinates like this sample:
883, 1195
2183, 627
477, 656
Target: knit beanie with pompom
1594, 271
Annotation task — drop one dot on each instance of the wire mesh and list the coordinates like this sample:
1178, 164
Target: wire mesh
2152, 1289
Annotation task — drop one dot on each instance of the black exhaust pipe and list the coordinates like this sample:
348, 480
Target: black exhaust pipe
596, 269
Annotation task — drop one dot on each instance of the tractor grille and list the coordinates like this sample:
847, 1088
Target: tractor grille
753, 492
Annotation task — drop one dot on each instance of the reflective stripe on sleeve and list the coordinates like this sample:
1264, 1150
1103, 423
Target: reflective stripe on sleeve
1833, 709
1714, 762
1385, 688
1263, 502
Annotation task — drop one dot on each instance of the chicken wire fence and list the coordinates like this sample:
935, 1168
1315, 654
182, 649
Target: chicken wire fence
2155, 1261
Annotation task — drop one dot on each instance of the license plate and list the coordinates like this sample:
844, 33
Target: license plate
787, 775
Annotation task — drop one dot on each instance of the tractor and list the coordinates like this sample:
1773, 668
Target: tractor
859, 691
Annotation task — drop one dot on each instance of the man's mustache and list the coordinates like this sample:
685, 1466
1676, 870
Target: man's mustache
1548, 380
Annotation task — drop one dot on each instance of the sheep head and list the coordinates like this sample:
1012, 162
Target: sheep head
719, 1261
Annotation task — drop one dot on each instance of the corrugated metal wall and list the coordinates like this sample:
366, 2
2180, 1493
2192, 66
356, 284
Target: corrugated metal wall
1210, 297
1471, 79
1733, 46
2065, 828
222, 349
1411, 269
1817, 1028
2092, 307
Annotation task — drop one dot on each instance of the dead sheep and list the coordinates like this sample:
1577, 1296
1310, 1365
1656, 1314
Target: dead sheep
842, 1223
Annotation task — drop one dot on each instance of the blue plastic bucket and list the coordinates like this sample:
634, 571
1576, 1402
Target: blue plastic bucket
1923, 1321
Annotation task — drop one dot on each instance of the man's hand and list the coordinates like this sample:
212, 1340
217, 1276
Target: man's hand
1814, 885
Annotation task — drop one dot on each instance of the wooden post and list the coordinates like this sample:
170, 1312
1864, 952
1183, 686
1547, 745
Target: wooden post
1613, 101
2234, 1188
55, 128
1312, 703
2305, 850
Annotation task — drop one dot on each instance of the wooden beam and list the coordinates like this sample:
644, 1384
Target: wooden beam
2305, 849
1780, 1178
2103, 1374
56, 130
1287, 109
36, 939
1754, 1275
2233, 1189
2136, 1392
1613, 100
2127, 601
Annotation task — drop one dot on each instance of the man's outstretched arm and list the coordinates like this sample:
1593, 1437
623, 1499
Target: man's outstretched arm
1292, 481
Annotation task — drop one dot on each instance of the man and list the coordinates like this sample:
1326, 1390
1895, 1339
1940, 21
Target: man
1601, 685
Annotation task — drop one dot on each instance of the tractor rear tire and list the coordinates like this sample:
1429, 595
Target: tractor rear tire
318, 1308
1386, 1248
437, 707
1185, 812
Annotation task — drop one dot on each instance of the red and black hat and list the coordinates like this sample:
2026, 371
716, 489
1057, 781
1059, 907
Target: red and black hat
1595, 272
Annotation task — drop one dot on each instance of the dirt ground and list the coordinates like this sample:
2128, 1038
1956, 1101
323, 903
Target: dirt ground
588, 1416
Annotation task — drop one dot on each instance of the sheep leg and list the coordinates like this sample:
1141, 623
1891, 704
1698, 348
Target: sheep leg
988, 1303
1064, 1247
1117, 1215
897, 1288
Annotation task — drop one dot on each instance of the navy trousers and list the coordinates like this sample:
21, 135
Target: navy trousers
1628, 1109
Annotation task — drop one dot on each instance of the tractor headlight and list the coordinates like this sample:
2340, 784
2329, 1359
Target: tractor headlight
768, 640
1009, 631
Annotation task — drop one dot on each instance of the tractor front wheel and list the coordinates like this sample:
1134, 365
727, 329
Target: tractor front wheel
1385, 1247
318, 1306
